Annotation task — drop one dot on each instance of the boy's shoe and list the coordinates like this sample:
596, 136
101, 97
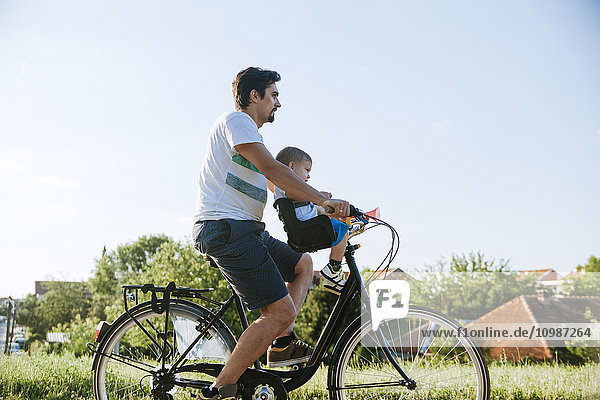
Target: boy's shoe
297, 352
334, 280
222, 393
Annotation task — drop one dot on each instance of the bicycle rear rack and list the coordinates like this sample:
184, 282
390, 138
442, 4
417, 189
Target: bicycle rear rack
131, 293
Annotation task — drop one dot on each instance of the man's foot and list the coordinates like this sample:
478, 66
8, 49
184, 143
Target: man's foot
288, 351
222, 393
334, 278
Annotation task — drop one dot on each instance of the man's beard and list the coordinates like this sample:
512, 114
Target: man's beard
272, 116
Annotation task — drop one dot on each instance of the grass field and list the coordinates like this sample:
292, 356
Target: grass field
64, 377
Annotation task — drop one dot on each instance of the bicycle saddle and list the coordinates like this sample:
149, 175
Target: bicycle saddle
304, 236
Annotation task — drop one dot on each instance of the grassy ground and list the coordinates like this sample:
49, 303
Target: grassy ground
65, 377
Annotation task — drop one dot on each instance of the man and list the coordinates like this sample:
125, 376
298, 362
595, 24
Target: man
231, 199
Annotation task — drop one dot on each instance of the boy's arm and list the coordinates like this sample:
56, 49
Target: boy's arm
285, 179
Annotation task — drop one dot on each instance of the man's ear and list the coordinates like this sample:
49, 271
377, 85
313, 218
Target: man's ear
291, 164
254, 96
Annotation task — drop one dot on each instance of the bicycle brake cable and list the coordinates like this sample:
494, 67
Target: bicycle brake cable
392, 252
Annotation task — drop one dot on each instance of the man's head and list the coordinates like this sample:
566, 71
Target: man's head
251, 85
298, 160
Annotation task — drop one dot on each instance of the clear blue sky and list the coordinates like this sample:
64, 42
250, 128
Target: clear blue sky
472, 125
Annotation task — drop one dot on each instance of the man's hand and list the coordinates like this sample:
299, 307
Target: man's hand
337, 208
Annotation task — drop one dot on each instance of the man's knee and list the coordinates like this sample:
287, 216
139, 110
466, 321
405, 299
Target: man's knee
283, 311
304, 266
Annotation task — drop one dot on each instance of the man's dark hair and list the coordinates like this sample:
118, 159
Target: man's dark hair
249, 79
289, 154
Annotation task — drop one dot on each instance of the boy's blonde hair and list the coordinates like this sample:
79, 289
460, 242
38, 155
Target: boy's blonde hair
289, 154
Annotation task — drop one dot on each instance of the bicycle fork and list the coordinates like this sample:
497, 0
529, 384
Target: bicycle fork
408, 382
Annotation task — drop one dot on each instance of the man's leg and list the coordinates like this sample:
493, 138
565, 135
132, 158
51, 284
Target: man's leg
234, 245
299, 287
256, 339
296, 270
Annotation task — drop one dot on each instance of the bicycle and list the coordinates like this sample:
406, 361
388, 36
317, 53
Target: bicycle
169, 347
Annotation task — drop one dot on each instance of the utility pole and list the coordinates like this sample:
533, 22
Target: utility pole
8, 321
14, 321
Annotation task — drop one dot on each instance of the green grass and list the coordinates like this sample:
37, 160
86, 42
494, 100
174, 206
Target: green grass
545, 381
66, 377
44, 376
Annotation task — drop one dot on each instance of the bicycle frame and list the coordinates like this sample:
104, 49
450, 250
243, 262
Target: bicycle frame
291, 379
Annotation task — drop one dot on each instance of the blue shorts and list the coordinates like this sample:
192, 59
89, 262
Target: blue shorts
255, 264
340, 230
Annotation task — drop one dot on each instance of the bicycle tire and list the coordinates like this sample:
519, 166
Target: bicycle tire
126, 342
442, 368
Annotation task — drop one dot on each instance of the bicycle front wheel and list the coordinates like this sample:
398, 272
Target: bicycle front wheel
133, 351
441, 367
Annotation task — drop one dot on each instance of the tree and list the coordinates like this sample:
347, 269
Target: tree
586, 283
593, 265
115, 267
31, 316
61, 304
476, 263
468, 286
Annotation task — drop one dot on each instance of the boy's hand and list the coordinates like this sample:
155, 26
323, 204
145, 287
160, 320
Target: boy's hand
337, 208
327, 194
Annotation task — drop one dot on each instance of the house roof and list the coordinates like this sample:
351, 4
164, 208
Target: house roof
57, 337
546, 274
396, 273
534, 309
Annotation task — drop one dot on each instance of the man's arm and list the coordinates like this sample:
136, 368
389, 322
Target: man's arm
286, 180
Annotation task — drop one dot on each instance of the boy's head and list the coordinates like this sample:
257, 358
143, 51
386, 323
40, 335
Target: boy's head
298, 160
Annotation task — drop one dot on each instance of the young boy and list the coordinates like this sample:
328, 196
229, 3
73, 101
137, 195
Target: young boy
301, 164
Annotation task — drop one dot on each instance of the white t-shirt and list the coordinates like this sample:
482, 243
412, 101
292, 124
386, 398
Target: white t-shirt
230, 186
303, 212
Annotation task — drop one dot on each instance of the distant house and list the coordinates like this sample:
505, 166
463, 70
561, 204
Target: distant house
530, 310
548, 278
396, 273
574, 273
540, 274
42, 287
57, 337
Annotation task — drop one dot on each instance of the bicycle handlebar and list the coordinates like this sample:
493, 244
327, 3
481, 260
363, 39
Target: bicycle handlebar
354, 212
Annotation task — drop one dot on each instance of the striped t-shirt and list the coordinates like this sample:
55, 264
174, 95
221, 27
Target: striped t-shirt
230, 186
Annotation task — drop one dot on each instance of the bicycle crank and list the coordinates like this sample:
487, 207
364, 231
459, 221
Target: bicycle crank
261, 385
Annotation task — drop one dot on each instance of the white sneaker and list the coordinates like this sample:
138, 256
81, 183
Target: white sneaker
334, 281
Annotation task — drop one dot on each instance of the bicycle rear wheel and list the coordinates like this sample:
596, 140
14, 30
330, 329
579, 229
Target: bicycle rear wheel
441, 367
130, 354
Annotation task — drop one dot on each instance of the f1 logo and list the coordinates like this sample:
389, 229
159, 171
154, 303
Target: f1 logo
388, 300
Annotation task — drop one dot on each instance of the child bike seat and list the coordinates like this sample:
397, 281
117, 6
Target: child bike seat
304, 236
